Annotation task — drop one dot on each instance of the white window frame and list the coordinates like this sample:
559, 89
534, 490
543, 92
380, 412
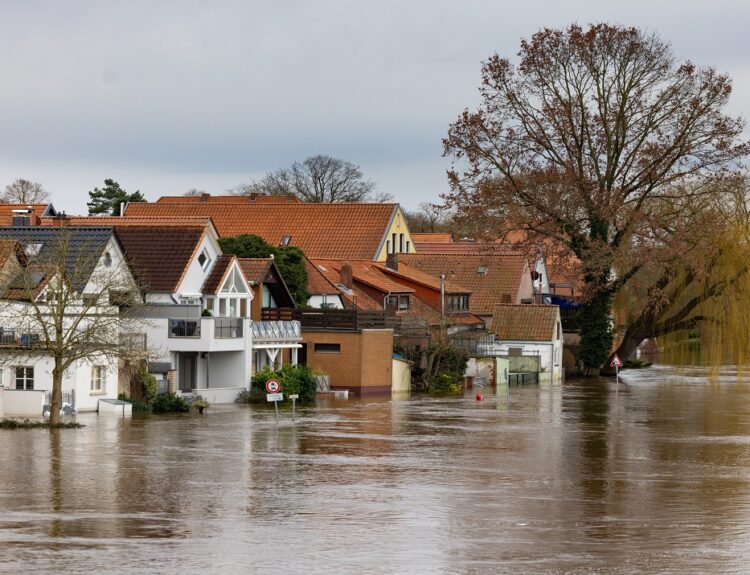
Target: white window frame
98, 379
207, 262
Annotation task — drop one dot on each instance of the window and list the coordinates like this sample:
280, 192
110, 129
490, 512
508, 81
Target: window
32, 249
403, 302
392, 301
121, 298
393, 242
98, 378
204, 259
401, 243
407, 246
515, 351
90, 300
327, 348
387, 246
285, 240
24, 378
458, 302
107, 260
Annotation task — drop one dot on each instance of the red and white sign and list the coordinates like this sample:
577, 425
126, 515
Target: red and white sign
616, 362
273, 386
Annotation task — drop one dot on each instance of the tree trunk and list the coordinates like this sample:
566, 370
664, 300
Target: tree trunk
56, 401
633, 337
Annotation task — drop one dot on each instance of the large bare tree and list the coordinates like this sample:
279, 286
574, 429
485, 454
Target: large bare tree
317, 179
599, 139
66, 301
23, 191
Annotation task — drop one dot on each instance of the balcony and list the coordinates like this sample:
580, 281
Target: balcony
16, 338
222, 327
277, 331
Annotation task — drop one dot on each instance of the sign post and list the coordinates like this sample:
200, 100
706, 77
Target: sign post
617, 364
273, 389
294, 397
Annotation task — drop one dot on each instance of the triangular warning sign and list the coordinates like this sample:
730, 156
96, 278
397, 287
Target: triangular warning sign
616, 361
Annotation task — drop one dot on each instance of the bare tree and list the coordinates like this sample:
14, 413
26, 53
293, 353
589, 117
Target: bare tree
194, 192
24, 192
65, 302
586, 142
317, 179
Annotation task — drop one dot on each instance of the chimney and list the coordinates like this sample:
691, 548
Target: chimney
205, 196
60, 220
391, 262
505, 298
346, 276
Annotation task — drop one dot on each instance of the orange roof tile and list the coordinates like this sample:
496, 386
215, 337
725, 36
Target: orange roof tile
120, 221
341, 231
432, 238
488, 277
366, 272
524, 322
37, 210
464, 248
231, 199
418, 276
317, 282
254, 269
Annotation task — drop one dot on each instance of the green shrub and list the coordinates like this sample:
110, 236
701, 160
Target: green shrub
138, 404
170, 403
150, 387
444, 383
294, 379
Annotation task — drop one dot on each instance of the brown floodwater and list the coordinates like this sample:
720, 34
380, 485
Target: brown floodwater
648, 476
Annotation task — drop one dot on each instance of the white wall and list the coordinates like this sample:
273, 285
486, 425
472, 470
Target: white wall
547, 352
195, 276
331, 301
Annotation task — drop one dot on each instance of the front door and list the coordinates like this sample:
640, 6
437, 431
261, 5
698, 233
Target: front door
187, 371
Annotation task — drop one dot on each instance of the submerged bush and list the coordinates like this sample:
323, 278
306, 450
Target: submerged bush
294, 379
170, 403
27, 424
444, 383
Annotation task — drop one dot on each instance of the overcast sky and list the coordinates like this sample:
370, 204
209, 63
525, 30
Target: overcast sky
166, 96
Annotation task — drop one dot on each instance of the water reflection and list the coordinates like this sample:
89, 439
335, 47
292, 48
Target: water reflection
648, 476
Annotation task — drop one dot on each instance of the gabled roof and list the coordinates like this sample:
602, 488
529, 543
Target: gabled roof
218, 271
489, 277
465, 247
82, 247
435, 238
36, 211
159, 256
335, 231
255, 270
524, 322
8, 248
238, 199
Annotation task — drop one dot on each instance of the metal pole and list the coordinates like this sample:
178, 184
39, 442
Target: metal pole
294, 404
276, 407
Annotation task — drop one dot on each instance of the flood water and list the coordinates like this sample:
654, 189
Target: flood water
651, 476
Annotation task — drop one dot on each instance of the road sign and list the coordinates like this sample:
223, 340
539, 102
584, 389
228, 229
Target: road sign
273, 386
616, 361
274, 397
294, 396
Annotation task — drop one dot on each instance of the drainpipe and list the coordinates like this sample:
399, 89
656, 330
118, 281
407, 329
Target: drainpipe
442, 297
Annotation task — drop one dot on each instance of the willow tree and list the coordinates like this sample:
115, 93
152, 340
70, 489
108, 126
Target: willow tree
585, 142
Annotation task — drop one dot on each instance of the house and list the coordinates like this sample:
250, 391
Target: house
532, 338
34, 296
323, 293
360, 231
491, 278
197, 312
275, 341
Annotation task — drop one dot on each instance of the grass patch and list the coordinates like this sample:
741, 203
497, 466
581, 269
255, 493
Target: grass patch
28, 424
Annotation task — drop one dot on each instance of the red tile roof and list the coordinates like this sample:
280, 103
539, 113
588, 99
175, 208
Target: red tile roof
432, 238
6, 212
465, 248
340, 231
418, 276
7, 249
160, 256
317, 282
524, 322
489, 277
363, 271
255, 270
238, 199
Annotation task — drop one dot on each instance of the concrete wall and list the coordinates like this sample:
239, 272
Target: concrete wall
363, 365
549, 353
220, 394
226, 369
401, 376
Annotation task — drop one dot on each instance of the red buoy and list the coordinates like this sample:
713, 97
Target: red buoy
480, 397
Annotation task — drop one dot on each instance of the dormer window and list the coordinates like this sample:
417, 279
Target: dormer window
285, 240
204, 259
32, 249
482, 270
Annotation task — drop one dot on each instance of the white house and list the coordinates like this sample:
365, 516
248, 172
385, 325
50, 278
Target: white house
197, 313
98, 282
530, 331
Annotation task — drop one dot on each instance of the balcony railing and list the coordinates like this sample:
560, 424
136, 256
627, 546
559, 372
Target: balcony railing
228, 327
277, 331
348, 320
16, 338
185, 328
